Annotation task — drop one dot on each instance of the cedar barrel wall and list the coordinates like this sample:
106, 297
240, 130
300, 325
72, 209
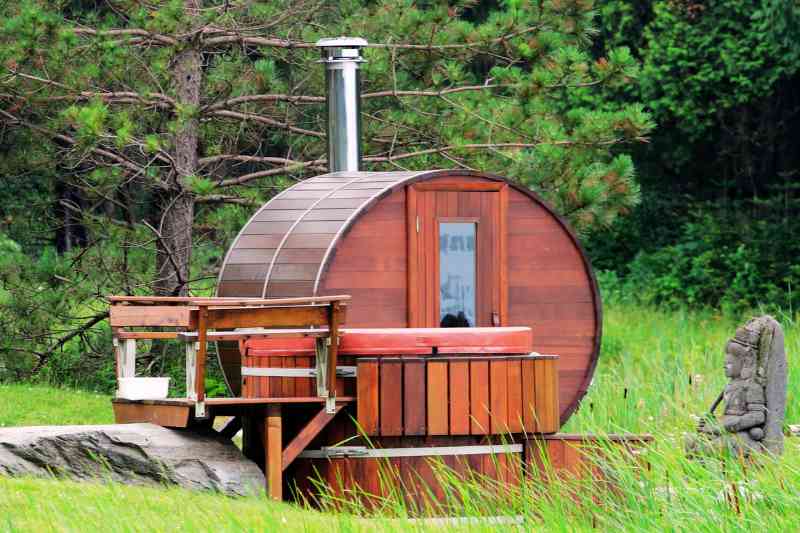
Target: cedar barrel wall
346, 233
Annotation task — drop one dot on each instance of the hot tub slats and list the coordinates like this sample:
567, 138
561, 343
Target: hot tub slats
439, 396
498, 396
414, 397
367, 397
515, 408
479, 397
459, 398
391, 399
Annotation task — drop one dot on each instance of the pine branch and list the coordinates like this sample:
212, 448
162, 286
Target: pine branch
205, 161
267, 121
128, 32
240, 180
223, 199
66, 139
44, 357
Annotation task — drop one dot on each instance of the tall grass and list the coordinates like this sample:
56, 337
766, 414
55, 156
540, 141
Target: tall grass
656, 370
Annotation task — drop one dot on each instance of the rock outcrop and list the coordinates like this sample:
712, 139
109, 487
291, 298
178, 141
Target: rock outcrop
143, 454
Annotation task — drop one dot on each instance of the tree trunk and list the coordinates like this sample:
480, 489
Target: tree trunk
174, 244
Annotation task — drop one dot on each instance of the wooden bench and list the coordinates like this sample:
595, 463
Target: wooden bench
197, 321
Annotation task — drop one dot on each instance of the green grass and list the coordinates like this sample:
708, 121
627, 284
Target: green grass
642, 384
34, 405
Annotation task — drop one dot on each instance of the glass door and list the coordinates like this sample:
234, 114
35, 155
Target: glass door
456, 255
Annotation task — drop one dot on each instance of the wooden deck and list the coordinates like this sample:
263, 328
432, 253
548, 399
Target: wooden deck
179, 412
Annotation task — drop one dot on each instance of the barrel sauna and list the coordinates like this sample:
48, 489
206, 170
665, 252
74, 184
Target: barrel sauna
398, 242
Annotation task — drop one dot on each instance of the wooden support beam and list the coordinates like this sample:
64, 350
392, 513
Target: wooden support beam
273, 445
307, 434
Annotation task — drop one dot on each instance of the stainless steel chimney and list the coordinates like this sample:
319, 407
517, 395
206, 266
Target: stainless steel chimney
342, 57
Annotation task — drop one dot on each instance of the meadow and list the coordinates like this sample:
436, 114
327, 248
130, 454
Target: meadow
657, 369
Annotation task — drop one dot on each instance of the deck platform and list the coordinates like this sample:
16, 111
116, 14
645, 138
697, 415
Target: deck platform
179, 412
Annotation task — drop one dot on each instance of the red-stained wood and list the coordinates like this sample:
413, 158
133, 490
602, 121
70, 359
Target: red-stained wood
547, 395
437, 393
367, 403
391, 398
479, 397
515, 405
459, 398
547, 275
529, 419
498, 397
306, 435
273, 446
414, 397
152, 316
409, 341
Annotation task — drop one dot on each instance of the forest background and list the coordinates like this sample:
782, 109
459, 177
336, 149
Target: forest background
136, 138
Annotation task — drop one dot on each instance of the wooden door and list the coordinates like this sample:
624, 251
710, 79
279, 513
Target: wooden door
457, 254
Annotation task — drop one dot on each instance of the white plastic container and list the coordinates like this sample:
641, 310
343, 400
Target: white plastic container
143, 388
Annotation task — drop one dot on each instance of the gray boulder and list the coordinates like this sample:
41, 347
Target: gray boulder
142, 454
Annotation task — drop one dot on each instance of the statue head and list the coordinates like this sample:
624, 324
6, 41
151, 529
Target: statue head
741, 353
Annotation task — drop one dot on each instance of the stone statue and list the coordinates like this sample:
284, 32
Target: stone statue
755, 397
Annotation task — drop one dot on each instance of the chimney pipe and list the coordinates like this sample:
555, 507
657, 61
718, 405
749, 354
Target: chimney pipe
342, 57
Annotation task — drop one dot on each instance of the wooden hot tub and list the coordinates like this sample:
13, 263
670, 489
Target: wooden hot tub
467, 396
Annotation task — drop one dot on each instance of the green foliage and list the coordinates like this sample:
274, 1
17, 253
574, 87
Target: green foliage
704, 61
721, 259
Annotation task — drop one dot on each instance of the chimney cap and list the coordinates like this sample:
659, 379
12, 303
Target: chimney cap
342, 42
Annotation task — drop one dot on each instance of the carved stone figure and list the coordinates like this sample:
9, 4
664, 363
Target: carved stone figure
755, 397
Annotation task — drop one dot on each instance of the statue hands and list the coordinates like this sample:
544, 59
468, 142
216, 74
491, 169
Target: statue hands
708, 425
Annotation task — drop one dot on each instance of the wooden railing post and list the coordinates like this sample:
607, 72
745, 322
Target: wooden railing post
333, 350
191, 370
200, 373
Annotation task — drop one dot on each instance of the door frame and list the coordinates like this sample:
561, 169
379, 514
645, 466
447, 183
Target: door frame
414, 275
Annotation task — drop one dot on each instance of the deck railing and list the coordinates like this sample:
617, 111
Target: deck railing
197, 321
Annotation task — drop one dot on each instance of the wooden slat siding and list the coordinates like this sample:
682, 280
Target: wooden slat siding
459, 398
244, 256
275, 383
266, 317
537, 244
430, 251
437, 394
414, 393
367, 398
294, 272
288, 384
490, 258
308, 241
573, 460
502, 231
547, 395
479, 397
551, 290
555, 453
515, 405
391, 398
162, 415
289, 288
413, 258
529, 416
498, 396
151, 316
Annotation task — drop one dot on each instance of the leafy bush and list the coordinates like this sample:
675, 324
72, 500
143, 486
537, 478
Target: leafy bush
724, 259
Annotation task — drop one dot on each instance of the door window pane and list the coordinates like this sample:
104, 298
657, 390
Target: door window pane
457, 274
